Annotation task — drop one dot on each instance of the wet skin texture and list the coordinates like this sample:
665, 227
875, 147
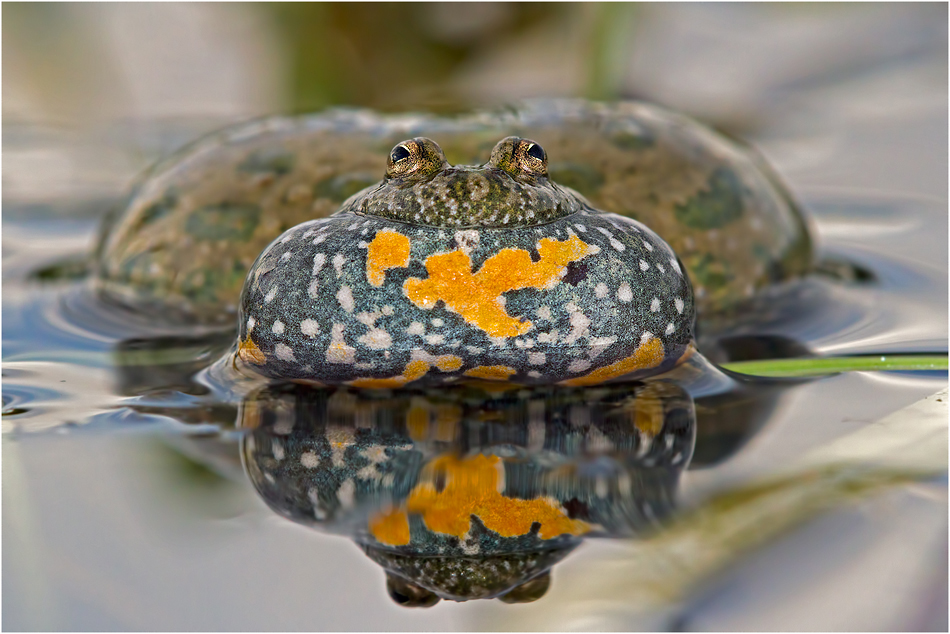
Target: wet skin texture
489, 272
444, 272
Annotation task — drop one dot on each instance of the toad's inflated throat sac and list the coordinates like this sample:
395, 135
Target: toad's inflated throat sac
441, 273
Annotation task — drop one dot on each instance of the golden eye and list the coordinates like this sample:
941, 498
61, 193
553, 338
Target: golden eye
399, 153
536, 151
532, 157
520, 157
415, 159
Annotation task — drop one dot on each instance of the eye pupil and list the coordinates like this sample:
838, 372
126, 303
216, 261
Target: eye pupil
399, 153
536, 151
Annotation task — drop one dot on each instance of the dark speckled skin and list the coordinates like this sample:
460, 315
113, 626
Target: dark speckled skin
334, 326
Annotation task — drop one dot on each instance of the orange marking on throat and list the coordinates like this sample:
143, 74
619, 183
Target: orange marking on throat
476, 297
250, 353
415, 370
390, 528
473, 487
491, 372
648, 355
388, 250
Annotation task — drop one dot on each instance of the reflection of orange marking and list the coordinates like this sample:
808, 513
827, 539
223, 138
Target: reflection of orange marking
390, 528
250, 353
387, 250
648, 355
476, 296
473, 487
648, 411
414, 370
491, 372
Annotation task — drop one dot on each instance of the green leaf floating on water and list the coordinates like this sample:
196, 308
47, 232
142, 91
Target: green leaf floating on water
833, 365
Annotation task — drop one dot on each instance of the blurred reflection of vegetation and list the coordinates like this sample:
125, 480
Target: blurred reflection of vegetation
395, 56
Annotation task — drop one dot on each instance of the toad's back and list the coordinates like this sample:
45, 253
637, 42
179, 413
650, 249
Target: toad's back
195, 224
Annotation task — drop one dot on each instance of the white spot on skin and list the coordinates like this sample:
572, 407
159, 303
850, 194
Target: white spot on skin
310, 327
599, 345
368, 319
438, 323
278, 327
617, 244
547, 337
377, 339
318, 261
345, 297
534, 374
314, 289
467, 240
670, 328
309, 460
580, 323
644, 266
601, 290
338, 262
655, 305
544, 312
679, 305
284, 353
676, 266
661, 267
416, 328
285, 256
434, 340
581, 228
578, 366
624, 293
319, 239
277, 449
339, 351
271, 294
537, 358
647, 245
250, 324
388, 310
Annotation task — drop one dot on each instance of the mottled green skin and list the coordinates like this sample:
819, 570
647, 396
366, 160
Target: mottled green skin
195, 223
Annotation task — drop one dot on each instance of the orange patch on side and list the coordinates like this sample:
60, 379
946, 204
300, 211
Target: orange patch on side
473, 487
388, 250
491, 372
414, 370
476, 296
250, 353
648, 355
390, 528
448, 363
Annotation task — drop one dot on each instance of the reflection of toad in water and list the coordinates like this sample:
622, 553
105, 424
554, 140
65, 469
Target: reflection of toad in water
472, 492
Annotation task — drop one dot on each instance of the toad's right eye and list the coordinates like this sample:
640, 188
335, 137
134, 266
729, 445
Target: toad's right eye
399, 153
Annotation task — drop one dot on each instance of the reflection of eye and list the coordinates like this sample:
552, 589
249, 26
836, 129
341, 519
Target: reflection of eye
399, 153
536, 151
